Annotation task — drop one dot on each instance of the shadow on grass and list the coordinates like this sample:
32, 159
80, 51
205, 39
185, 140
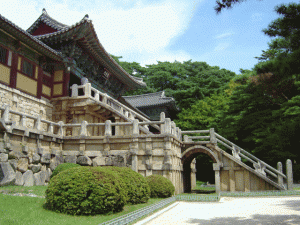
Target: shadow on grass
254, 220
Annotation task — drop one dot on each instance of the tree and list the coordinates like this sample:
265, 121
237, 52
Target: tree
226, 4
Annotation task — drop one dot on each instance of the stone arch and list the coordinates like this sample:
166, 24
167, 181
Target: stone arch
188, 155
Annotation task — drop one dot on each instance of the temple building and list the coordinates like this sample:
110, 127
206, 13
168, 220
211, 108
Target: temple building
153, 104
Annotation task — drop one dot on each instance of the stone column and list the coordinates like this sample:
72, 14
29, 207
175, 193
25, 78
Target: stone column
289, 174
216, 168
117, 128
280, 178
134, 154
149, 156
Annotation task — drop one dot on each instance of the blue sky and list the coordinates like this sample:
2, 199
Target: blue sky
163, 30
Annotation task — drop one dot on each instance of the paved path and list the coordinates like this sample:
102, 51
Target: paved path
231, 211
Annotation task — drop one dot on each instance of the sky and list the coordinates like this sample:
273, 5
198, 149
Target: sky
147, 31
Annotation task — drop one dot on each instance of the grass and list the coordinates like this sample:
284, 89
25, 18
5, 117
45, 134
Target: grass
200, 188
28, 210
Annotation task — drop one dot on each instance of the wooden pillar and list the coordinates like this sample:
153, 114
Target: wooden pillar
13, 71
66, 83
39, 82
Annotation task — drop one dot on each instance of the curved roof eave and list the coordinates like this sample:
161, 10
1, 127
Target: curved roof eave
98, 49
28, 39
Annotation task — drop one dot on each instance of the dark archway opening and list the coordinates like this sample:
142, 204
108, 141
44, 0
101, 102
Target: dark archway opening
204, 171
113, 128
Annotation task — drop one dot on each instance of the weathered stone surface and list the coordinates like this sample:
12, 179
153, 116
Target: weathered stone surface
108, 161
70, 159
41, 151
43, 168
37, 179
55, 161
46, 158
56, 152
28, 178
289, 174
19, 179
76, 153
36, 168
99, 161
84, 161
117, 160
3, 157
13, 163
7, 174
36, 158
92, 153
16, 155
22, 165
48, 173
43, 175
25, 149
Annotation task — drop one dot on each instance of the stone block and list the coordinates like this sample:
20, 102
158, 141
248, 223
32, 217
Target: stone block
56, 152
25, 149
93, 153
118, 161
99, 161
47, 175
41, 151
84, 161
22, 165
37, 179
55, 161
42, 177
36, 158
7, 174
44, 168
19, 179
36, 168
70, 159
13, 163
46, 158
108, 161
66, 153
16, 155
3, 157
49, 172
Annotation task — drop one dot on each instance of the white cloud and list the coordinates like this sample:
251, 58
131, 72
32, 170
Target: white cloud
139, 29
222, 46
224, 35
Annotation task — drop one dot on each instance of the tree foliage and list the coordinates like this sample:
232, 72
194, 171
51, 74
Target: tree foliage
226, 4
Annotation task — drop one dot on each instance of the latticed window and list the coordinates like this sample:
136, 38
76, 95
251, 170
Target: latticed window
3, 53
27, 68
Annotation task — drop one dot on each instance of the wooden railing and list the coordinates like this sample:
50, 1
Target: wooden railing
236, 151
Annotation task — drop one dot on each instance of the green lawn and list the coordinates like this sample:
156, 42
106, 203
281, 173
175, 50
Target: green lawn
25, 210
200, 188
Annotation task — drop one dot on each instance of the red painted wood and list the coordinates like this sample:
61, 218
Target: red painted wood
13, 71
66, 83
43, 29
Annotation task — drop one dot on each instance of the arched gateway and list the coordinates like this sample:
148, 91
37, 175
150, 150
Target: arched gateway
189, 155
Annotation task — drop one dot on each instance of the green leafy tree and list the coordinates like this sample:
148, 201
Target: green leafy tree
226, 4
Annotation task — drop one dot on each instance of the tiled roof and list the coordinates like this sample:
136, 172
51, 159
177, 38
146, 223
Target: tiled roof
151, 99
31, 40
47, 20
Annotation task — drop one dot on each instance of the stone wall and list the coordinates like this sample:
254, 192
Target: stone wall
25, 103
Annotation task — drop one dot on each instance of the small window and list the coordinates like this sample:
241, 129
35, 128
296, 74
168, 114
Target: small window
3, 54
27, 68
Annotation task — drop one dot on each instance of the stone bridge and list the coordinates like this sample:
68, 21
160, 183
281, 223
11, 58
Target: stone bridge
33, 146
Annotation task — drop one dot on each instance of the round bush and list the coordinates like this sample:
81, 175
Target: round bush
62, 167
136, 186
85, 191
160, 186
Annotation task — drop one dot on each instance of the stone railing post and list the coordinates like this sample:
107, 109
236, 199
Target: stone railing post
289, 174
216, 168
87, 89
104, 99
135, 128
162, 119
83, 130
97, 95
22, 121
74, 90
61, 129
185, 138
50, 128
126, 114
213, 138
5, 115
38, 123
235, 152
280, 178
167, 126
173, 128
107, 128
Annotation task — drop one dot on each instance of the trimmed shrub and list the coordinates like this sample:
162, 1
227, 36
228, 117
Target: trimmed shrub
136, 186
62, 167
160, 186
85, 191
